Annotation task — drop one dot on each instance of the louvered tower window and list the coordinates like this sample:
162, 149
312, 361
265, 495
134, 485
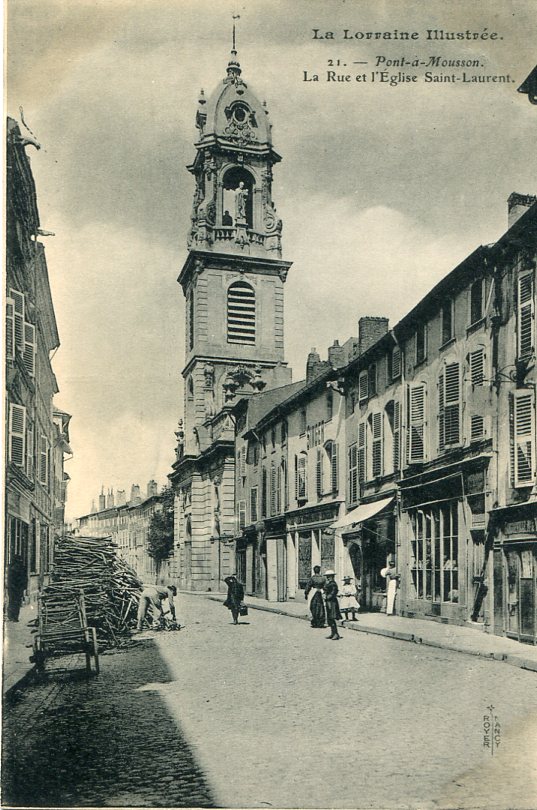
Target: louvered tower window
240, 313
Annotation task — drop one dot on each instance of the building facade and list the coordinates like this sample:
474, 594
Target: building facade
127, 523
434, 435
232, 281
36, 435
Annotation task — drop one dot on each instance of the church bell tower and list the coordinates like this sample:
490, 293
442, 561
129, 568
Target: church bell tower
232, 280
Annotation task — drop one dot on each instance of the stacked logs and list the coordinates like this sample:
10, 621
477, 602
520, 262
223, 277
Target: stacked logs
111, 587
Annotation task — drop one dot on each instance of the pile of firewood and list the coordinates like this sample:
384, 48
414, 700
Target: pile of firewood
111, 587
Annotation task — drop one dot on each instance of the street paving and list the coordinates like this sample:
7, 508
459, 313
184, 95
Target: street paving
271, 714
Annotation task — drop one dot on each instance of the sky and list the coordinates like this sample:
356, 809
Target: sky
382, 189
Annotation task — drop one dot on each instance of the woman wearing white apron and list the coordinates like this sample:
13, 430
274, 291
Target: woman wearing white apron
392, 576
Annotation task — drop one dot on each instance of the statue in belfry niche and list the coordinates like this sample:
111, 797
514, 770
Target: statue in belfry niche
241, 194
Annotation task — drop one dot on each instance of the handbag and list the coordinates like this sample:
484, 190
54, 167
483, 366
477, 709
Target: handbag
243, 610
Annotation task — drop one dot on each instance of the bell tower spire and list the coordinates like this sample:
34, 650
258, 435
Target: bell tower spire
233, 282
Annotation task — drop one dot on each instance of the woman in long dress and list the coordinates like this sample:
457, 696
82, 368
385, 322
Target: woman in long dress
332, 604
314, 594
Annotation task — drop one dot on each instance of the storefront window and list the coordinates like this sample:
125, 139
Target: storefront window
435, 553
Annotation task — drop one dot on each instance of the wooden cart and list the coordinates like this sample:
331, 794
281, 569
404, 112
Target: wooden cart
63, 629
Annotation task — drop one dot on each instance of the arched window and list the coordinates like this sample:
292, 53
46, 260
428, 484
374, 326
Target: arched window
240, 313
231, 183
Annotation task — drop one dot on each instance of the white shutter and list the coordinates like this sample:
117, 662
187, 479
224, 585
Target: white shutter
362, 453
477, 427
416, 451
273, 490
10, 328
319, 471
242, 514
526, 315
17, 435
362, 385
353, 479
376, 429
524, 436
452, 404
29, 449
396, 362
18, 315
43, 460
396, 435
334, 468
477, 367
29, 348
243, 462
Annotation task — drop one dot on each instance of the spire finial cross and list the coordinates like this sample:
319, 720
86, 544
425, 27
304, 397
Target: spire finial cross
235, 17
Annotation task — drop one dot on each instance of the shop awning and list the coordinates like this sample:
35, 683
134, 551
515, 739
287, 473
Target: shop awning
361, 513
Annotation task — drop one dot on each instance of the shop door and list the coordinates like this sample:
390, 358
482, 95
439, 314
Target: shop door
304, 559
521, 575
281, 555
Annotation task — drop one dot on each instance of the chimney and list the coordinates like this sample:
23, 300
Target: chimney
152, 488
110, 498
336, 355
121, 499
518, 204
313, 366
102, 500
135, 495
370, 329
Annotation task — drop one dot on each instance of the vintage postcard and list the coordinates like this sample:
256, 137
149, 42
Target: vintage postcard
270, 369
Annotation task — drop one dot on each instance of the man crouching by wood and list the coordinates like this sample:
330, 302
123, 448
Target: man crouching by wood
154, 595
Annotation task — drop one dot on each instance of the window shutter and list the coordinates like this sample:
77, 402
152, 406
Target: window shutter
452, 404
29, 348
396, 362
243, 463
241, 313
372, 380
264, 493
526, 315
362, 456
10, 328
441, 442
17, 435
396, 436
334, 468
18, 315
416, 452
477, 367
30, 450
319, 471
362, 385
524, 436
376, 427
273, 490
253, 505
477, 427
296, 478
353, 479
242, 514
278, 490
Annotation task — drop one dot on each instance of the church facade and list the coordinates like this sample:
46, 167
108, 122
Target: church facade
233, 284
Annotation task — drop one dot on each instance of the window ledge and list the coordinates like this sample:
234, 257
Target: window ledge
449, 342
421, 362
475, 327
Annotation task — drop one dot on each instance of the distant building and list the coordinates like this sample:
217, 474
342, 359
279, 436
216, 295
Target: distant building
128, 526
36, 434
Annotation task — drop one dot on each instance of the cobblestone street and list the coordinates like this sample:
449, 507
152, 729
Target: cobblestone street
270, 714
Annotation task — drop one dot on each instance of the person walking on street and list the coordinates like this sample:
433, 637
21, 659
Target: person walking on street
332, 604
348, 602
235, 595
314, 594
153, 596
17, 581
